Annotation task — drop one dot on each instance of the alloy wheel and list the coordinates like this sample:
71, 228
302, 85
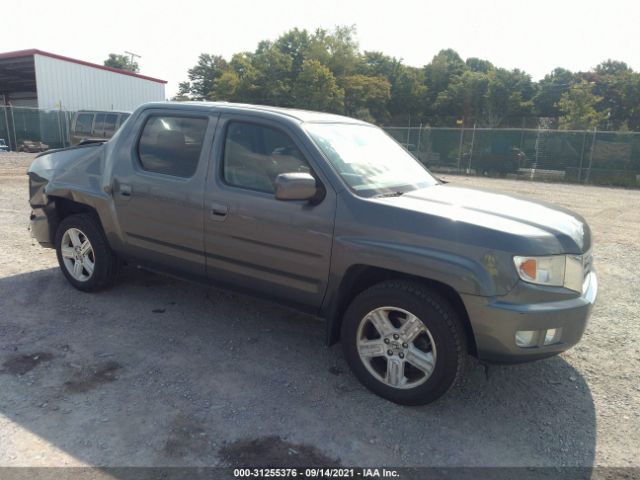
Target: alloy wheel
77, 254
396, 347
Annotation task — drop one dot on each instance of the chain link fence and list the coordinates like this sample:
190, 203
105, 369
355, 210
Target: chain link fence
574, 156
24, 124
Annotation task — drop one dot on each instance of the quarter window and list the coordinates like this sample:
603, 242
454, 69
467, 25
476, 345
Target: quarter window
255, 155
171, 145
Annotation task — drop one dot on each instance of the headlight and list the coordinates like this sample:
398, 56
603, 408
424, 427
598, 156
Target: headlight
554, 270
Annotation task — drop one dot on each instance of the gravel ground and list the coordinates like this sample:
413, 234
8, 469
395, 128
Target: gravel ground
156, 371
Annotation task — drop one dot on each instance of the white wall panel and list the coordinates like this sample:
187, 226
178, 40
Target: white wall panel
81, 87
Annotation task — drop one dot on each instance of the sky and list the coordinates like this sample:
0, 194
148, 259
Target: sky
534, 36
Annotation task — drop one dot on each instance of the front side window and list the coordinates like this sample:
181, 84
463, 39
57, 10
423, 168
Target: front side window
254, 155
171, 145
368, 160
84, 121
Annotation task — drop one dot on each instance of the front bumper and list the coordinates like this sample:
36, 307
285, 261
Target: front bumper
495, 323
43, 222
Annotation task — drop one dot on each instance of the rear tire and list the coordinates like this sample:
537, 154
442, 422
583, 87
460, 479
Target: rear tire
404, 342
84, 255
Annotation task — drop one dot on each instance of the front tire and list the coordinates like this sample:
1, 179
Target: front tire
404, 342
84, 255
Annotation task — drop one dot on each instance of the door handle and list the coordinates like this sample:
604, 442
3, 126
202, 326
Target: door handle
125, 190
219, 211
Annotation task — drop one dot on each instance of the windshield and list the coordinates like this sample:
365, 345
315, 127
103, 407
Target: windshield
368, 160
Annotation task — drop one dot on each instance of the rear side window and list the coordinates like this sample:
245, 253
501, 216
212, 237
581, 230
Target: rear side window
254, 155
171, 145
110, 122
84, 121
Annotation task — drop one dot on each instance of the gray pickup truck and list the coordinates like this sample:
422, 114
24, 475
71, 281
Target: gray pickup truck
329, 215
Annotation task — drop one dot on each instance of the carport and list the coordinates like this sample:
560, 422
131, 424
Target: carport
18, 79
18, 89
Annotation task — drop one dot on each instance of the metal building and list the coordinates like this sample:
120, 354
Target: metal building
40, 92
33, 78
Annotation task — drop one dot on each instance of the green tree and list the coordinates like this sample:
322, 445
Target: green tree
367, 95
578, 108
509, 94
242, 65
612, 67
630, 98
408, 93
377, 64
444, 68
465, 97
549, 91
123, 62
296, 44
616, 84
479, 65
182, 96
203, 76
225, 86
271, 83
292, 71
408, 90
317, 89
336, 49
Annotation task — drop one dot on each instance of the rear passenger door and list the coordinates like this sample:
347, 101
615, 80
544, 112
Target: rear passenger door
158, 189
253, 242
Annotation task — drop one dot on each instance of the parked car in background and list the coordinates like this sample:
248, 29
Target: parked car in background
32, 146
500, 159
330, 215
3, 145
95, 126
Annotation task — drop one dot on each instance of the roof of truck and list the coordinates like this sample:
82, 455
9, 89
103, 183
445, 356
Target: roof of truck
300, 115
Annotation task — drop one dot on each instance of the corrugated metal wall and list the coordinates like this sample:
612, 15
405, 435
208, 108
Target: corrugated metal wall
72, 86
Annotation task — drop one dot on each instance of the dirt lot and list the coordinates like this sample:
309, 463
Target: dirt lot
156, 371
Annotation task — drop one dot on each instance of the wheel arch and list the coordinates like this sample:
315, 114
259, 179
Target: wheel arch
62, 208
66, 207
360, 277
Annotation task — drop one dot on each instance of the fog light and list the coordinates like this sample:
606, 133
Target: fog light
526, 338
552, 336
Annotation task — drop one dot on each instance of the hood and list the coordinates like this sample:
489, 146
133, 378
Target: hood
537, 221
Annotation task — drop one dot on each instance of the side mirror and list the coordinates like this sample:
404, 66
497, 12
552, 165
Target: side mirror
295, 186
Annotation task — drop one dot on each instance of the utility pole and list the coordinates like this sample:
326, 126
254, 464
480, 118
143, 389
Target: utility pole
131, 56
